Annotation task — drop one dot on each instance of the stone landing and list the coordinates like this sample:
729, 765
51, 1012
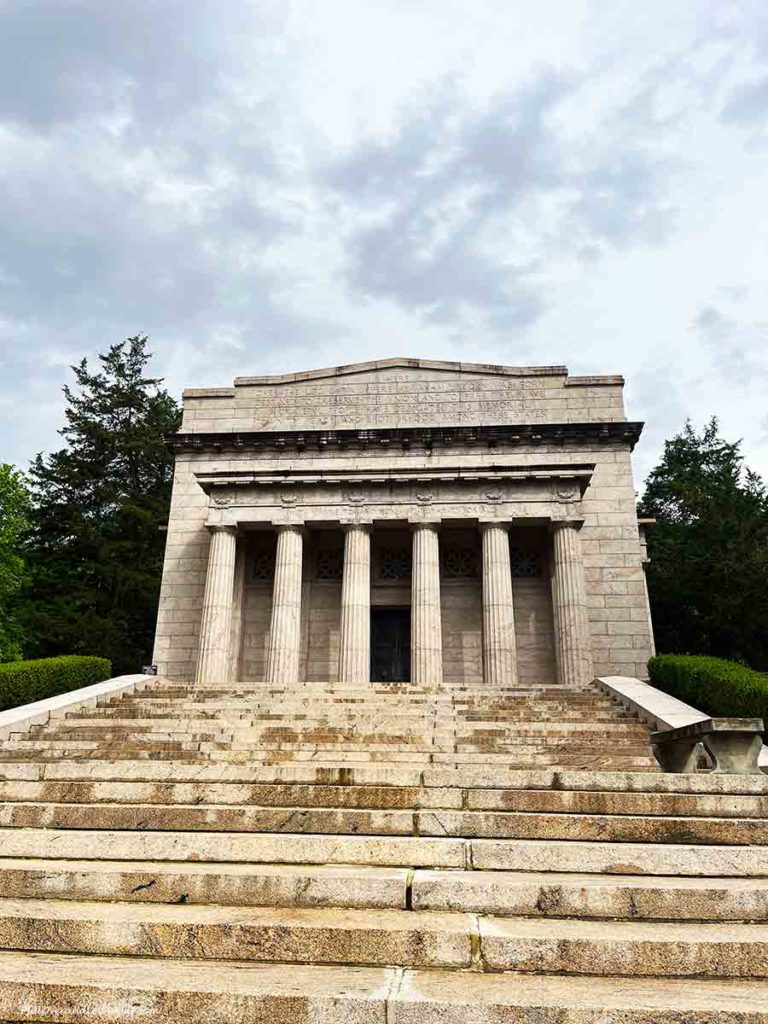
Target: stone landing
327, 853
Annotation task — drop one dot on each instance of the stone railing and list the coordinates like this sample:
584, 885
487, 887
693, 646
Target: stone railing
16, 720
660, 711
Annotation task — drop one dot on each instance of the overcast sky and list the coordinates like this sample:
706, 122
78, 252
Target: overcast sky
266, 186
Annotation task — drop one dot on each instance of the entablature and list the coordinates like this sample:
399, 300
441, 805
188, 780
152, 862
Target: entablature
409, 438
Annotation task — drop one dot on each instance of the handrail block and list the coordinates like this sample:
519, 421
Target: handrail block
734, 744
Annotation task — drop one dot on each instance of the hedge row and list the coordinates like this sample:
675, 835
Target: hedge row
22, 682
720, 688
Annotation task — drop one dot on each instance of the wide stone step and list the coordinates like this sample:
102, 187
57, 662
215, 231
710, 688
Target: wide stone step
435, 822
630, 948
528, 894
384, 937
596, 896
388, 797
389, 851
477, 777
373, 725
71, 989
266, 885
294, 935
331, 755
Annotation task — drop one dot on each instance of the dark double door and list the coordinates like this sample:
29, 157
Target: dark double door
390, 645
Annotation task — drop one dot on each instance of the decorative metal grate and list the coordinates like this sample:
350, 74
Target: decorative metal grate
329, 565
527, 564
460, 563
394, 564
263, 570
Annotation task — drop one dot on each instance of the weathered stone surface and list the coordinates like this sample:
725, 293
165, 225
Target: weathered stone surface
119, 990
206, 884
287, 935
533, 894
77, 844
620, 858
634, 948
432, 997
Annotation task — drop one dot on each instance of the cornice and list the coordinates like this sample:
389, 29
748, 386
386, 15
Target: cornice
408, 438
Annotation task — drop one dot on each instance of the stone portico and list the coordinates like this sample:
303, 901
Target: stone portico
405, 520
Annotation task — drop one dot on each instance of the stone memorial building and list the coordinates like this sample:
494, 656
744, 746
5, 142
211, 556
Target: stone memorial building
405, 519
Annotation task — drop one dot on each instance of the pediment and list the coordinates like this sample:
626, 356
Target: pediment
400, 368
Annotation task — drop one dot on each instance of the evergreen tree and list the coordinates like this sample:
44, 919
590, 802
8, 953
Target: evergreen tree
14, 519
708, 575
96, 546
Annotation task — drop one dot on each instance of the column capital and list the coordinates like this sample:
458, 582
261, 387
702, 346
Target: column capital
222, 528
501, 524
573, 522
425, 524
299, 528
366, 525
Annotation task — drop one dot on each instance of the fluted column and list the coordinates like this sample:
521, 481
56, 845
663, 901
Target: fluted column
213, 660
499, 648
355, 652
285, 626
569, 602
426, 628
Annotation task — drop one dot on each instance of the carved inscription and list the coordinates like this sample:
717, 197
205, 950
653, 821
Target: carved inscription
402, 399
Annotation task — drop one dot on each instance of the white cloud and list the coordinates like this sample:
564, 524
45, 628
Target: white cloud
269, 185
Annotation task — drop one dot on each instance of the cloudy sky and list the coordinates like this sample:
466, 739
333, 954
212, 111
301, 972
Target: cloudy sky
269, 185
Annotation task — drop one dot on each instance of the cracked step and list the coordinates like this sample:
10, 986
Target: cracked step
262, 885
118, 990
598, 896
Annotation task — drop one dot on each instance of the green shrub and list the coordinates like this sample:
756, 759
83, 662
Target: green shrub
723, 689
22, 682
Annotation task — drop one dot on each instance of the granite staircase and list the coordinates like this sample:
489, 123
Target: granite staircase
328, 853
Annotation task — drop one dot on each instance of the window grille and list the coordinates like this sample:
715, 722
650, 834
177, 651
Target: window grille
329, 566
527, 564
459, 563
395, 564
263, 570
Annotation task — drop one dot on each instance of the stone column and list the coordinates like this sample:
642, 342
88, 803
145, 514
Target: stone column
355, 649
213, 659
426, 630
499, 648
569, 603
285, 627
238, 602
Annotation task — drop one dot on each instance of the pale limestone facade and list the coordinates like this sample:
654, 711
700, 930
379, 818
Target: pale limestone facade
405, 519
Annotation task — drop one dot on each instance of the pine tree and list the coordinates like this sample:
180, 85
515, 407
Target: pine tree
100, 503
708, 575
14, 519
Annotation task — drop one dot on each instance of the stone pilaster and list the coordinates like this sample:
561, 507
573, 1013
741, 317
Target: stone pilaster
355, 652
499, 648
213, 659
426, 629
569, 603
285, 626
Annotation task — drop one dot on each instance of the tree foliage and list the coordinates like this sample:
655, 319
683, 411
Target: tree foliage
14, 519
708, 575
96, 546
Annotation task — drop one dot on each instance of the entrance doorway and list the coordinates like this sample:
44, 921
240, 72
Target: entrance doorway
390, 645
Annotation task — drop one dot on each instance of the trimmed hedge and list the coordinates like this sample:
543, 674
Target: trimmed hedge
22, 682
717, 687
